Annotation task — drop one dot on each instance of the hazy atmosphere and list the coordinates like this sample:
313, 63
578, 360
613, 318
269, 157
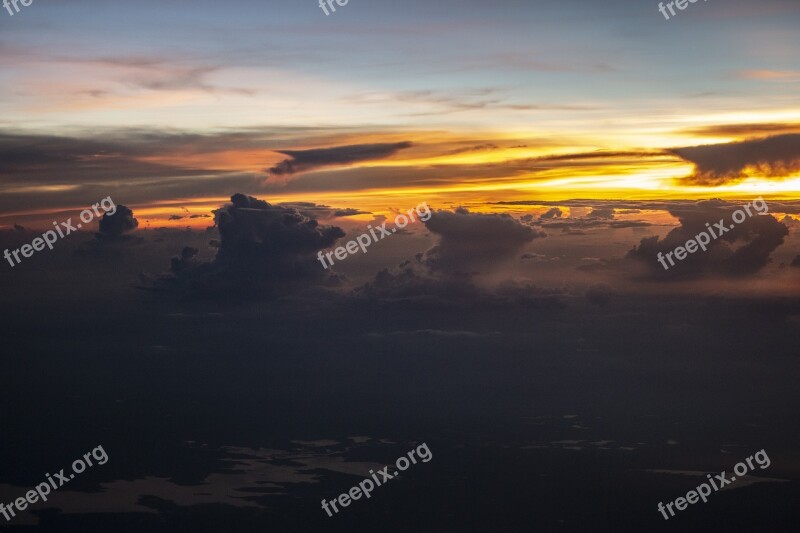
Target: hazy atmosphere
533, 266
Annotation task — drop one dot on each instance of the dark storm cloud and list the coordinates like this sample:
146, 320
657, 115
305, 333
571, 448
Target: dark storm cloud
253, 228
744, 250
262, 248
117, 224
716, 164
306, 160
551, 213
470, 241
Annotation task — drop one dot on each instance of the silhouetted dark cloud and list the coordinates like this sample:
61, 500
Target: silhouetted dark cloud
117, 224
306, 160
262, 248
551, 213
716, 164
474, 241
743, 250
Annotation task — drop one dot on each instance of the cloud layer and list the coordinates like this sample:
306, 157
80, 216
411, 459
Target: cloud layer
716, 164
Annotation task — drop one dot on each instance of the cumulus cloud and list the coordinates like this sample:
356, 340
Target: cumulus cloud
744, 250
306, 160
553, 212
473, 241
716, 164
790, 222
252, 229
261, 247
185, 260
114, 226
470, 244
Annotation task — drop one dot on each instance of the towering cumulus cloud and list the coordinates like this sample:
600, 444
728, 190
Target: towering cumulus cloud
255, 234
261, 246
114, 225
743, 250
465, 265
472, 241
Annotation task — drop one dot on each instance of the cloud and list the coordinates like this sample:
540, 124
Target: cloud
605, 213
775, 206
470, 241
717, 164
414, 281
601, 155
551, 213
348, 212
474, 148
306, 160
470, 244
743, 130
113, 226
263, 248
744, 250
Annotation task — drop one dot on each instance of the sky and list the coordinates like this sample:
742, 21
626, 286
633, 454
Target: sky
208, 311
180, 104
